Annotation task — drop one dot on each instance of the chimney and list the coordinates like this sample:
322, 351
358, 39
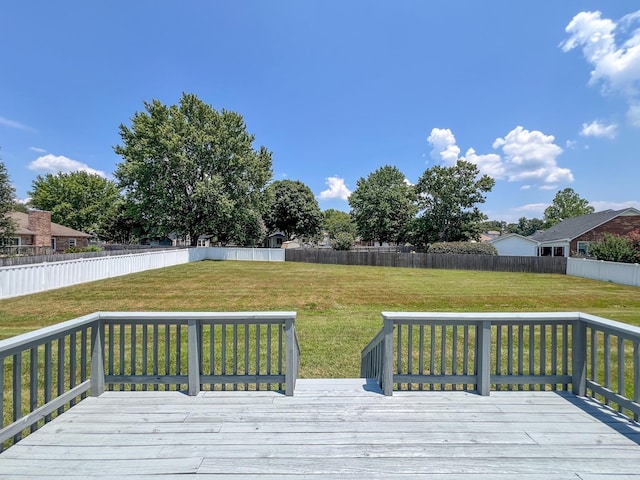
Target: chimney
40, 223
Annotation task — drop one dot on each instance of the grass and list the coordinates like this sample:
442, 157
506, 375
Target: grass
338, 306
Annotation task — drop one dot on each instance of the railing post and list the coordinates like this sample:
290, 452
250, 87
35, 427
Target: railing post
193, 357
483, 355
97, 358
579, 358
387, 358
291, 359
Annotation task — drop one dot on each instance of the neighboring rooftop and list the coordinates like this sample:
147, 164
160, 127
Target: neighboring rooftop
57, 230
574, 227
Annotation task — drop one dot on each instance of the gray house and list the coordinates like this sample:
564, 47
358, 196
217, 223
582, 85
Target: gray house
573, 235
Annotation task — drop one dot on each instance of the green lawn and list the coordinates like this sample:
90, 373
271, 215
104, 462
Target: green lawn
338, 306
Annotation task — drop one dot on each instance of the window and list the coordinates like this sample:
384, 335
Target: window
10, 242
558, 251
54, 244
583, 248
72, 242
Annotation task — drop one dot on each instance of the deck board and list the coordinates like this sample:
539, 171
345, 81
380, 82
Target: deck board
331, 429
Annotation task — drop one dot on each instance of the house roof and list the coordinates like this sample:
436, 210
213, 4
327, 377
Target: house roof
57, 230
574, 227
512, 235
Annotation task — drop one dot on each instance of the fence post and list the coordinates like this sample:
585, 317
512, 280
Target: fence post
193, 357
483, 355
387, 357
291, 359
97, 358
579, 358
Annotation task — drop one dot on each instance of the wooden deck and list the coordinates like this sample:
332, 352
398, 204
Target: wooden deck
332, 429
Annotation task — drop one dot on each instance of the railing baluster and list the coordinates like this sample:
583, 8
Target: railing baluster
145, 353
178, 354
594, 356
498, 352
421, 355
258, 369
84, 358
33, 383
454, 355
111, 368
620, 369
281, 351
235, 354
223, 353
443, 353
465, 355
155, 353
554, 353
123, 334
17, 391
565, 353
520, 354
607, 364
134, 346
212, 354
543, 351
410, 353
48, 377
510, 354
167, 353
399, 353
432, 352
636, 376
269, 358
61, 370
246, 353
532, 352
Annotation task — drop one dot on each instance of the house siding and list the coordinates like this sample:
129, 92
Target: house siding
621, 225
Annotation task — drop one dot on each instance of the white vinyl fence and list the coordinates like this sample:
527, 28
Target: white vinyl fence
26, 279
624, 273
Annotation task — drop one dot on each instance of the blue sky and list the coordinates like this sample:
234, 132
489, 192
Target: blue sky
541, 96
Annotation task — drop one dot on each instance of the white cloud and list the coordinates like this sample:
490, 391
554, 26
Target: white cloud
39, 150
53, 164
444, 146
599, 130
571, 144
532, 156
529, 156
5, 122
337, 189
613, 50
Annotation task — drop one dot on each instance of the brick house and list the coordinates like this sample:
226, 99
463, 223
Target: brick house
573, 235
35, 229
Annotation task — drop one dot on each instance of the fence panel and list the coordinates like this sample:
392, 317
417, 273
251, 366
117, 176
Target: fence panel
430, 260
33, 278
624, 273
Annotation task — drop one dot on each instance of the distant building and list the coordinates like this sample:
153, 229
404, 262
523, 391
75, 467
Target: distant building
35, 229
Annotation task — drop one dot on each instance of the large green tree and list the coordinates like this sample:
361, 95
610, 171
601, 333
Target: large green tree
7, 199
337, 221
383, 205
448, 198
566, 204
526, 226
292, 209
191, 170
79, 200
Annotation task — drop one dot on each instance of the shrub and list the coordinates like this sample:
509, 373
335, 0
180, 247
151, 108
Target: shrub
615, 248
343, 241
90, 248
466, 248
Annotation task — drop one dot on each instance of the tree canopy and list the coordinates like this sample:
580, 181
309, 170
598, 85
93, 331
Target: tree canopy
337, 221
79, 200
566, 204
448, 198
383, 205
292, 209
526, 226
7, 194
191, 170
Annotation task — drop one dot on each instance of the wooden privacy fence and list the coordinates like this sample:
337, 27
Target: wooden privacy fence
508, 351
492, 263
44, 372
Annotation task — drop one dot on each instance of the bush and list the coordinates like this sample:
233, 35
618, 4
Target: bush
463, 248
90, 248
343, 241
615, 248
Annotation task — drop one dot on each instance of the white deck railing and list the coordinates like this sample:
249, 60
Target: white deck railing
508, 351
27, 279
46, 371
